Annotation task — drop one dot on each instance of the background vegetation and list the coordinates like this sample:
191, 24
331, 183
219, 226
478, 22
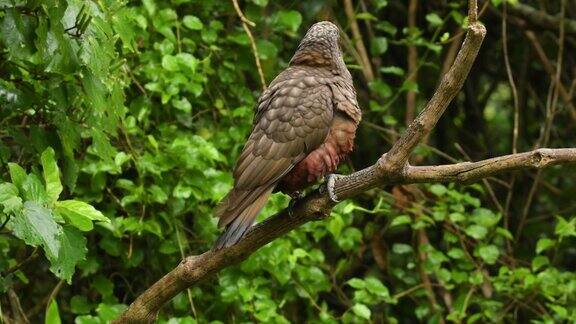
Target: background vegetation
120, 122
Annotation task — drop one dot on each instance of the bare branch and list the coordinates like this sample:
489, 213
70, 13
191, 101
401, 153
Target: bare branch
542, 19
471, 171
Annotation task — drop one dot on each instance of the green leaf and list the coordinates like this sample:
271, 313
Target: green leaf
187, 61
400, 220
456, 253
103, 286
108, 312
79, 305
79, 214
559, 310
72, 250
434, 20
17, 174
356, 283
170, 63
9, 198
101, 145
52, 313
438, 189
365, 16
565, 228
539, 261
387, 27
183, 105
261, 3
476, 231
395, 70
445, 36
51, 175
380, 3
34, 189
362, 311
376, 287
290, 20
505, 233
379, 45
489, 253
544, 244
36, 227
485, 217
409, 85
192, 22
335, 225
349, 238
401, 248
266, 49
381, 88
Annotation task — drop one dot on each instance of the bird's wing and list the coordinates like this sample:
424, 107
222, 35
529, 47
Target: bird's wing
344, 97
293, 118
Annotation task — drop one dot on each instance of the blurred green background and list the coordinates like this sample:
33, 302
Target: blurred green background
120, 122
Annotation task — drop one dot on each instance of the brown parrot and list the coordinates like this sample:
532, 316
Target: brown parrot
304, 126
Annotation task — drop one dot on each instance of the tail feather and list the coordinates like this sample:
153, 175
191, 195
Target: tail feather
238, 211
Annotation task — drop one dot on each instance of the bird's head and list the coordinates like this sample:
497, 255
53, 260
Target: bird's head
319, 47
322, 32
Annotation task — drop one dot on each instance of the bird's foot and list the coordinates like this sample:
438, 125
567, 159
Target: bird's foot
329, 186
296, 196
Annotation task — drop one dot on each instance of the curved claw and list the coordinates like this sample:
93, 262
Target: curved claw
330, 178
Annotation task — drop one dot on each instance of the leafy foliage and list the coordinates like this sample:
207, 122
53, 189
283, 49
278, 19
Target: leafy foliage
120, 123
34, 215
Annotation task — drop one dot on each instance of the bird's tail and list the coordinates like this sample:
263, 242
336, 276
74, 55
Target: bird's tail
237, 212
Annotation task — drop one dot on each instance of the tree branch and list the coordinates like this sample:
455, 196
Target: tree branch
392, 167
542, 19
471, 171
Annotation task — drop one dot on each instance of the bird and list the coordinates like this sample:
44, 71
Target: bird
304, 126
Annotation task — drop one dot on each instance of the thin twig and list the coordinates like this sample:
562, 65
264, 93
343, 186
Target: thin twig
408, 291
16, 267
46, 302
188, 291
245, 24
17, 312
357, 38
510, 79
423, 240
551, 71
5, 222
412, 64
